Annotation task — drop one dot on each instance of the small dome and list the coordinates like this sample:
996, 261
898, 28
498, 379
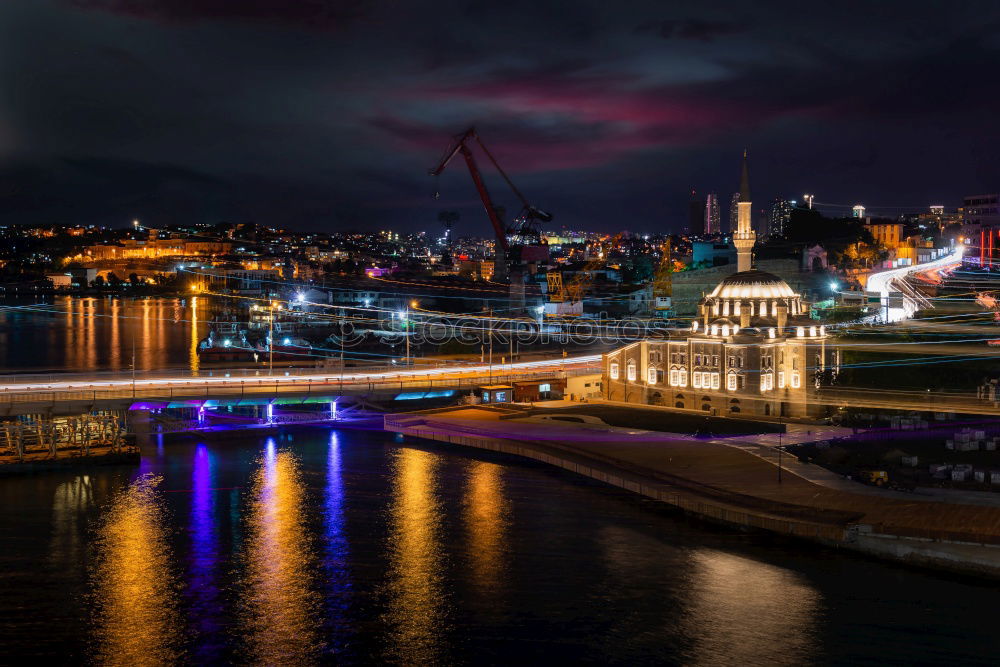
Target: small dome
752, 284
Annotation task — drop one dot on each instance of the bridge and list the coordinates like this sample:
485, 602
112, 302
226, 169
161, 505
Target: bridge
76, 414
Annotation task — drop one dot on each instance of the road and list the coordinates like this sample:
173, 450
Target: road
885, 283
144, 385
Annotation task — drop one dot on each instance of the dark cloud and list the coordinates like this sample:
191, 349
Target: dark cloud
202, 110
701, 30
317, 14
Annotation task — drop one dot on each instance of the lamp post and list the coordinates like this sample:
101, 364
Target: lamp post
270, 342
779, 456
133, 361
341, 349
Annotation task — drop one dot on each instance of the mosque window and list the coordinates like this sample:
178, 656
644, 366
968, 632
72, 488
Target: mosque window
613, 370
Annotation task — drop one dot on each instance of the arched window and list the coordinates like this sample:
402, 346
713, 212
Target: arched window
731, 382
613, 370
679, 404
651, 375
683, 377
630, 371
706, 407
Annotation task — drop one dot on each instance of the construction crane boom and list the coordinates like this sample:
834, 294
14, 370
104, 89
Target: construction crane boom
525, 226
484, 194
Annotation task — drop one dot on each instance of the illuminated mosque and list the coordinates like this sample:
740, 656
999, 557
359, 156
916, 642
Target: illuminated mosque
753, 350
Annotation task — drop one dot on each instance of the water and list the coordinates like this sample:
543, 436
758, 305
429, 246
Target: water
346, 546
74, 334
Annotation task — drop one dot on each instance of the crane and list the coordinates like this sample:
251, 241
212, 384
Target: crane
523, 233
663, 284
569, 295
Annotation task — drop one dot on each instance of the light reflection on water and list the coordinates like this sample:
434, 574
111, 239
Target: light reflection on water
83, 334
486, 522
762, 614
203, 561
336, 548
279, 604
71, 504
415, 611
350, 548
134, 585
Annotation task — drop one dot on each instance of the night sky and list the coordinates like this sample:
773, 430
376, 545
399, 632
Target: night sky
326, 115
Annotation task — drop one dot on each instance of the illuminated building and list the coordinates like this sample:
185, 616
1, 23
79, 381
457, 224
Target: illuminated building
733, 212
858, 211
779, 217
712, 221
887, 234
753, 350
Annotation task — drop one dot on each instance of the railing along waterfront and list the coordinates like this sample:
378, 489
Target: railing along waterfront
257, 386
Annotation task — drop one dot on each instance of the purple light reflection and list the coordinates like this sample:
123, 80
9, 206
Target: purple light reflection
203, 591
338, 581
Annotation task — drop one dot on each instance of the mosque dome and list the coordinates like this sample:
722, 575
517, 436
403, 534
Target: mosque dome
752, 284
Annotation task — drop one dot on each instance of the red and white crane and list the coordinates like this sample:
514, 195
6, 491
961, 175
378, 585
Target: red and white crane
521, 241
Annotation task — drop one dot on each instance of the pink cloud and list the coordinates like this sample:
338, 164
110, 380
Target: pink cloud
593, 121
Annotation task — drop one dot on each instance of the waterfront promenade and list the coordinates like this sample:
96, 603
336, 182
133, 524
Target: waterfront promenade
731, 485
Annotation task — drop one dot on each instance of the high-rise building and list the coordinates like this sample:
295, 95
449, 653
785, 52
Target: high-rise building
696, 214
778, 217
734, 212
712, 220
981, 211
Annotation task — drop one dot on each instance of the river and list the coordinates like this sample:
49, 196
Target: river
350, 546
74, 334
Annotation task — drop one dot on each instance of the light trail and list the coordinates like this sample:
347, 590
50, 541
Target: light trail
882, 283
591, 360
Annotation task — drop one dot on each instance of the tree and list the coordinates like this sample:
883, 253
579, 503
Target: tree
639, 270
133, 278
98, 282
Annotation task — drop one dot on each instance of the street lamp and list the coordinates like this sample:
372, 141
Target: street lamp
779, 456
270, 340
405, 318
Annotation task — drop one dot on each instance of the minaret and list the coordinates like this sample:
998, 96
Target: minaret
744, 236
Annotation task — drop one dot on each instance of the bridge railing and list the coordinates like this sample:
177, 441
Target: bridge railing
248, 373
270, 386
